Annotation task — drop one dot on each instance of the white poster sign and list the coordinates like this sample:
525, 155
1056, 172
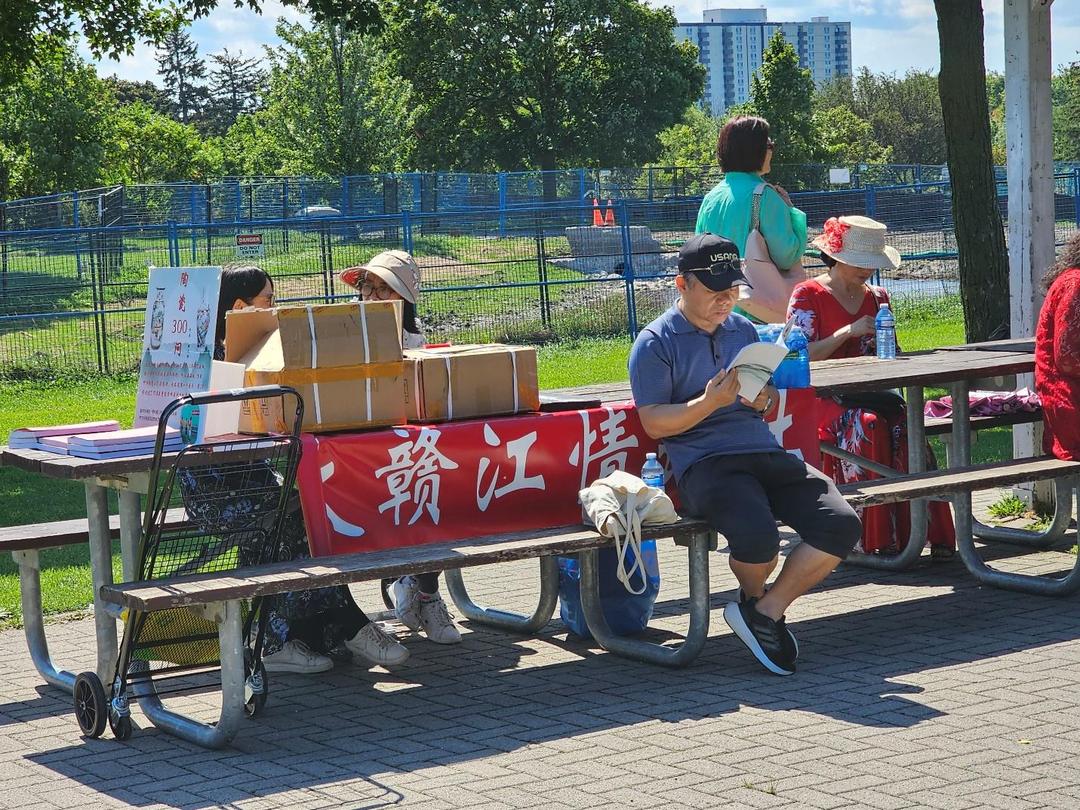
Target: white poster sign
838, 177
178, 337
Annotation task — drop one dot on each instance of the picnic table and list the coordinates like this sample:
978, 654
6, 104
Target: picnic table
956, 367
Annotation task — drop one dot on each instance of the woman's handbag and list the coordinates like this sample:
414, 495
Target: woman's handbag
629, 575
772, 287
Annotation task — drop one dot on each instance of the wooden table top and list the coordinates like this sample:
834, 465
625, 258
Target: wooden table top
829, 377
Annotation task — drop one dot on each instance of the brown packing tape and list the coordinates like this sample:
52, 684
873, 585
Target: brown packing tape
360, 371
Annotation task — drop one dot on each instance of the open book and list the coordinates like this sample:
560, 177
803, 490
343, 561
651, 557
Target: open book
756, 362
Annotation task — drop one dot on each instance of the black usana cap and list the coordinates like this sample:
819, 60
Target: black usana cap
714, 260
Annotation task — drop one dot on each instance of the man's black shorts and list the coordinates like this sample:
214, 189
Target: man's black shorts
742, 496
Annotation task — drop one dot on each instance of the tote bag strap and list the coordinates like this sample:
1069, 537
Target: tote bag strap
755, 209
630, 543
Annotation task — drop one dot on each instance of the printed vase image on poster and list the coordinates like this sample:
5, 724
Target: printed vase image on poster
178, 337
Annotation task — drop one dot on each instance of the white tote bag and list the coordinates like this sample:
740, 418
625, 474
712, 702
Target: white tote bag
619, 505
768, 300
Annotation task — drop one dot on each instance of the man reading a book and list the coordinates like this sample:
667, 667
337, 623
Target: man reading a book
729, 468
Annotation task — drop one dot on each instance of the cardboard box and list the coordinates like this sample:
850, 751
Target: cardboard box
344, 359
461, 382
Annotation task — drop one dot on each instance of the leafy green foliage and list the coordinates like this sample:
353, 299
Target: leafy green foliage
499, 84
691, 142
112, 28
782, 93
148, 146
844, 139
235, 85
182, 73
334, 106
53, 125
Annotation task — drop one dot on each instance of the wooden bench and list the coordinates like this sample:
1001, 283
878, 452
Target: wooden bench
939, 426
223, 592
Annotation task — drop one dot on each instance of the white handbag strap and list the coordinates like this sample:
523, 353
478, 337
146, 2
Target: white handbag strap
630, 542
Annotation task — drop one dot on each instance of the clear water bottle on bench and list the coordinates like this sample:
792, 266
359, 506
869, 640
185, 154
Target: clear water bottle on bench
653, 471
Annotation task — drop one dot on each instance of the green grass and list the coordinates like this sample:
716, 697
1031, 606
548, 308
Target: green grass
1008, 506
26, 498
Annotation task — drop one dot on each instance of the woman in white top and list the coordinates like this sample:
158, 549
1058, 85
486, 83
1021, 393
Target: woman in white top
393, 275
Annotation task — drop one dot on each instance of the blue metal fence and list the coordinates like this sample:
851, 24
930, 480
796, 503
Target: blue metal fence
72, 298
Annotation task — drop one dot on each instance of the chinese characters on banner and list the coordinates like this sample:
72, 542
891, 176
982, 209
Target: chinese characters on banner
432, 483
427, 483
178, 337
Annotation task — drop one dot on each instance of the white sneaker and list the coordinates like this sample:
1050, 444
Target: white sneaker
296, 656
407, 602
437, 622
376, 647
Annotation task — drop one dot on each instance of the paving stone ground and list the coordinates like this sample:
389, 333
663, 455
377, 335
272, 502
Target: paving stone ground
917, 689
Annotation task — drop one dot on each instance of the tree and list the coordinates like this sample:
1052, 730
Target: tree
181, 69
250, 147
511, 85
691, 142
53, 126
128, 92
334, 105
112, 28
844, 139
1065, 90
782, 93
980, 237
148, 147
235, 86
904, 112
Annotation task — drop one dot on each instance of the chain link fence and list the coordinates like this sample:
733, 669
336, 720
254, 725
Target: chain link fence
72, 299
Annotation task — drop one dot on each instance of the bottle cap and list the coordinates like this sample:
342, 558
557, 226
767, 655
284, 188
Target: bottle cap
650, 456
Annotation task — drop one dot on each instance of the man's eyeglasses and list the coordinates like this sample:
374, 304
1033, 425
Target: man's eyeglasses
718, 269
770, 144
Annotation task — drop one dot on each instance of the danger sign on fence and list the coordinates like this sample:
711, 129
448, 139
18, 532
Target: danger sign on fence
249, 246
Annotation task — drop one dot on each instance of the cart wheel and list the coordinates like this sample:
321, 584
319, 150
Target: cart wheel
257, 701
91, 707
385, 586
120, 725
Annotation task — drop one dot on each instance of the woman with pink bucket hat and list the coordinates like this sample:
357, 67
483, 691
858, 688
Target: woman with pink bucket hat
394, 275
836, 311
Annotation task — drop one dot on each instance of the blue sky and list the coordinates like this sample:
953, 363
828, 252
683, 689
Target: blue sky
887, 35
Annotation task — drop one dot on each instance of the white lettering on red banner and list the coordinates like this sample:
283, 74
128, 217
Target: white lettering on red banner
607, 449
517, 451
412, 476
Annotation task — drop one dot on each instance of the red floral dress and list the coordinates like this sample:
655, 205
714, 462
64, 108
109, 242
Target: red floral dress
1057, 365
877, 436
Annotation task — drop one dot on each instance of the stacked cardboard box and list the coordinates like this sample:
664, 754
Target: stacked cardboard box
344, 359
463, 382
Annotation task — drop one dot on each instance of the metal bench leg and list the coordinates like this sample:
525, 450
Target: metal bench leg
919, 514
1063, 504
29, 564
97, 516
503, 619
698, 547
229, 622
1026, 583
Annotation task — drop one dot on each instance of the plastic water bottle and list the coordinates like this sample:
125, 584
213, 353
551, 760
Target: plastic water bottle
885, 324
794, 370
653, 471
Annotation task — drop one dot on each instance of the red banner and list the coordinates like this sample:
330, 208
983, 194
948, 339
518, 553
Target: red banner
432, 483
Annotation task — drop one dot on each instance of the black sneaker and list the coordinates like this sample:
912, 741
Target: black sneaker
794, 642
768, 640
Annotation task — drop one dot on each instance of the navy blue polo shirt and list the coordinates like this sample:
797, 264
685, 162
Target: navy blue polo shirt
671, 362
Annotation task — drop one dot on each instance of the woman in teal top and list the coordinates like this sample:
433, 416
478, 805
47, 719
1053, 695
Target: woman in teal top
745, 151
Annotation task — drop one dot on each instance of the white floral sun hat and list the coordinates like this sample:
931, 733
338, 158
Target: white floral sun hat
858, 241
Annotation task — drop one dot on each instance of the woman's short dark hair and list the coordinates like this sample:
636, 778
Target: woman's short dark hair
742, 144
408, 317
826, 259
1069, 258
243, 281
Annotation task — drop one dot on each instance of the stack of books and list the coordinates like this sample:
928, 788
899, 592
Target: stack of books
114, 443
96, 440
31, 438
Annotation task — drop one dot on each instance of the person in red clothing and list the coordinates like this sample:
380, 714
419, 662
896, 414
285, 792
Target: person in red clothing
1057, 355
836, 311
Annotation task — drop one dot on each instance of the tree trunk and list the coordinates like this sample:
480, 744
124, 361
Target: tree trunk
550, 179
980, 237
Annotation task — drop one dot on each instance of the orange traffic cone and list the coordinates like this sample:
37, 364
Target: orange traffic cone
609, 217
597, 217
